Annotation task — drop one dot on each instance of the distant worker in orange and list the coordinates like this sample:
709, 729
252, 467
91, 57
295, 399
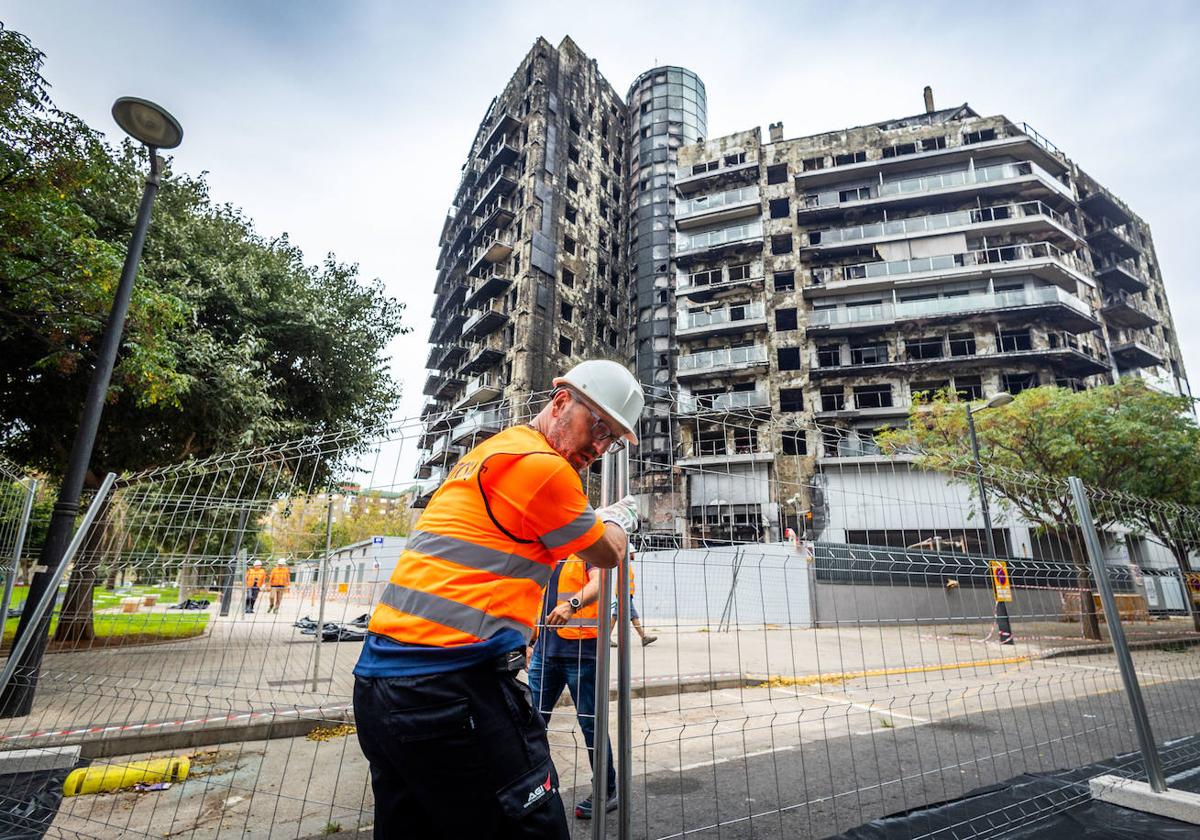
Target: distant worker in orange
454, 746
281, 578
256, 579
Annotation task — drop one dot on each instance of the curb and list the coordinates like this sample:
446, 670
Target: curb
1139, 644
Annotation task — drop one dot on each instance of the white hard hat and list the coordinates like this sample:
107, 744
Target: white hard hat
611, 388
281, 562
257, 562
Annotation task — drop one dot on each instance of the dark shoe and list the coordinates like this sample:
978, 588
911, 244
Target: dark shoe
646, 640
612, 644
583, 810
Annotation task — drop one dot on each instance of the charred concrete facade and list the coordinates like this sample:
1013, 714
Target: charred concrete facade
532, 273
826, 281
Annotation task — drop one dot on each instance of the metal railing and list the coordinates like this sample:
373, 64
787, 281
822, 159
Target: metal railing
726, 315
1022, 252
931, 183
940, 222
689, 242
723, 357
890, 311
685, 207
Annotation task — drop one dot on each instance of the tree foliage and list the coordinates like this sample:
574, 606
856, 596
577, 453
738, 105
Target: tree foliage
1125, 437
231, 341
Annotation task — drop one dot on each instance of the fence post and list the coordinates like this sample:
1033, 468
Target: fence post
1133, 691
600, 756
624, 679
19, 546
50, 595
323, 570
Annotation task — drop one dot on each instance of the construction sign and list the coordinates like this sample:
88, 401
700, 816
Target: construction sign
1001, 585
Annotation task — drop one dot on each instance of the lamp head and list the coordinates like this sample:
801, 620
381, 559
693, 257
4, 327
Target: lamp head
998, 399
146, 122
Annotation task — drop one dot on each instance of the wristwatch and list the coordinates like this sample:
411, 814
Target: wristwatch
575, 603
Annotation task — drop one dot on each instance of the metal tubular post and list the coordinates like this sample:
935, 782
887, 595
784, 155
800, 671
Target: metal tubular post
600, 757
50, 594
321, 572
1137, 705
11, 578
624, 680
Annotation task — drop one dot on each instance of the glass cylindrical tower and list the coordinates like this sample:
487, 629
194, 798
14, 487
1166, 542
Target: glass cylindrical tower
667, 109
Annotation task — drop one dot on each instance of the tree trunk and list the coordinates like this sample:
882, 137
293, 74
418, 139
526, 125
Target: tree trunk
75, 621
1089, 619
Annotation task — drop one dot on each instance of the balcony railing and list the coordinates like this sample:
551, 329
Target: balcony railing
939, 222
723, 357
731, 401
722, 236
685, 207
1025, 251
478, 422
717, 317
932, 183
911, 309
686, 284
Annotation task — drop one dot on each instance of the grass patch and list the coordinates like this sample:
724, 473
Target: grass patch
129, 628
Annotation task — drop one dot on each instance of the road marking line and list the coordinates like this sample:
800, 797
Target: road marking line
865, 707
1116, 670
728, 759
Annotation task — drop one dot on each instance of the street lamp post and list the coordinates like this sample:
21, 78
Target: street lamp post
1003, 626
156, 129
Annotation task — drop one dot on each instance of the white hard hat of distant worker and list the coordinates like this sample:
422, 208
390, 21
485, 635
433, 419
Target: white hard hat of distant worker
609, 387
257, 562
281, 562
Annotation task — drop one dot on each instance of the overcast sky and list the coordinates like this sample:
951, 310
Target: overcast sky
345, 123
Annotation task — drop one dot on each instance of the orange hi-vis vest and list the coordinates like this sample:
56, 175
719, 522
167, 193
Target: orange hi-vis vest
280, 577
571, 580
255, 576
486, 544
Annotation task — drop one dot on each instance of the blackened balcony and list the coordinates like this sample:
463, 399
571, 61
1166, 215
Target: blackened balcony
1100, 205
1116, 241
501, 155
1138, 351
493, 283
483, 322
1121, 276
1126, 310
483, 388
496, 217
504, 124
504, 182
733, 318
483, 257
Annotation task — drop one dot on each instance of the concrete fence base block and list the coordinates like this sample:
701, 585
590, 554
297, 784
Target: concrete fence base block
1137, 796
33, 761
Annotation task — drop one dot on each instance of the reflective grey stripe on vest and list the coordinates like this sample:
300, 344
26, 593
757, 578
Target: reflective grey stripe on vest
581, 622
480, 557
449, 613
573, 530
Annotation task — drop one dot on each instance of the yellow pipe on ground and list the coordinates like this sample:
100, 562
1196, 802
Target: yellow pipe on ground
105, 778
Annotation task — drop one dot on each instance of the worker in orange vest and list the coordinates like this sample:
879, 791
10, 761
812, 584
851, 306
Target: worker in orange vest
454, 746
565, 657
281, 578
256, 579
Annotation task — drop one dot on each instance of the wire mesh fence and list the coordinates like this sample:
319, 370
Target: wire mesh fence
817, 642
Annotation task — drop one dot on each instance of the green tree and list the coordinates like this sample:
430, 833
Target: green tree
1124, 437
232, 340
